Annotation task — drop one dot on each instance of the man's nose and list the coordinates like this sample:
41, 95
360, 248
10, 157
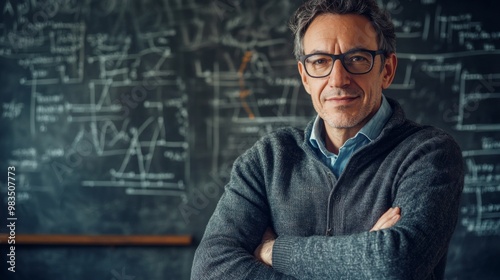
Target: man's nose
339, 77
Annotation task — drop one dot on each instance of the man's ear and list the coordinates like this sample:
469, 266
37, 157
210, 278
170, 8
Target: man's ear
304, 77
389, 71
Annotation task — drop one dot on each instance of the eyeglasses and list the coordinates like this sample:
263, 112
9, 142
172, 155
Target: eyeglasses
357, 61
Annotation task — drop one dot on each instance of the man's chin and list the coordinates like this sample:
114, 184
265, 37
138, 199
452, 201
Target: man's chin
341, 123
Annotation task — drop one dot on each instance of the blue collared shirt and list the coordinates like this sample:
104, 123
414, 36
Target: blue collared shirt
365, 135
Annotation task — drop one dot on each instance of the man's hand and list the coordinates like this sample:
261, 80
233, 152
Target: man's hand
264, 252
390, 218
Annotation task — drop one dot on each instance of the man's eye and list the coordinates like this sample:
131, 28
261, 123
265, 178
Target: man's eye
358, 59
319, 61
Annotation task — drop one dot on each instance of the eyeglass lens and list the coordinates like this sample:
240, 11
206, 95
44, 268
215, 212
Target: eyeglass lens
358, 62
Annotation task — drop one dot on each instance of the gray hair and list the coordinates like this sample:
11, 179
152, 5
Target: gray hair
379, 19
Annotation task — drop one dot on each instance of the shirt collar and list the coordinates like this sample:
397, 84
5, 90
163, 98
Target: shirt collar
375, 125
370, 130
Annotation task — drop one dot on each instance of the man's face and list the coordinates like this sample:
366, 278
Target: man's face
344, 100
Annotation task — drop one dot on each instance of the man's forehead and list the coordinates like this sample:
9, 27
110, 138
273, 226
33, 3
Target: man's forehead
354, 31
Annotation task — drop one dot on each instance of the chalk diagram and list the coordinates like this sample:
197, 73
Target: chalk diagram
247, 111
125, 109
479, 103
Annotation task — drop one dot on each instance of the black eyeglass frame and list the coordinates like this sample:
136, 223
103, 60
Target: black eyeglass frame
341, 56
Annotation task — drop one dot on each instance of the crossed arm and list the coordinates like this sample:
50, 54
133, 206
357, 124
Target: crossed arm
264, 251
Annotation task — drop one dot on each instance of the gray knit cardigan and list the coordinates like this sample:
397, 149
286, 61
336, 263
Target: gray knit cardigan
323, 222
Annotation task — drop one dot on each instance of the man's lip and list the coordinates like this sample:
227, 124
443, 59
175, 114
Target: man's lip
342, 99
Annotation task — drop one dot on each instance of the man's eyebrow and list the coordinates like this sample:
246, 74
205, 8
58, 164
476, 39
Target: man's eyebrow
355, 48
317, 51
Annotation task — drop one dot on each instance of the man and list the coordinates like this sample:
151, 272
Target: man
361, 193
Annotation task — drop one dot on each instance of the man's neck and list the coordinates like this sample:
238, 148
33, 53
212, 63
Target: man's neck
336, 137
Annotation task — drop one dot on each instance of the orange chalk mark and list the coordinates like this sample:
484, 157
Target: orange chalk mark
244, 93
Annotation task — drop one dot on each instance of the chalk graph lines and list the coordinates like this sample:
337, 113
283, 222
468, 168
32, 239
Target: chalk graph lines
466, 48
479, 102
252, 96
62, 61
141, 136
132, 143
481, 214
124, 109
136, 169
256, 91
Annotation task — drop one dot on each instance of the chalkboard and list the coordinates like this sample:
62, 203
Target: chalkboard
124, 118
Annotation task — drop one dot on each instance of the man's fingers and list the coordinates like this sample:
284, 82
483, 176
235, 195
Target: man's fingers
269, 234
264, 251
388, 219
390, 222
